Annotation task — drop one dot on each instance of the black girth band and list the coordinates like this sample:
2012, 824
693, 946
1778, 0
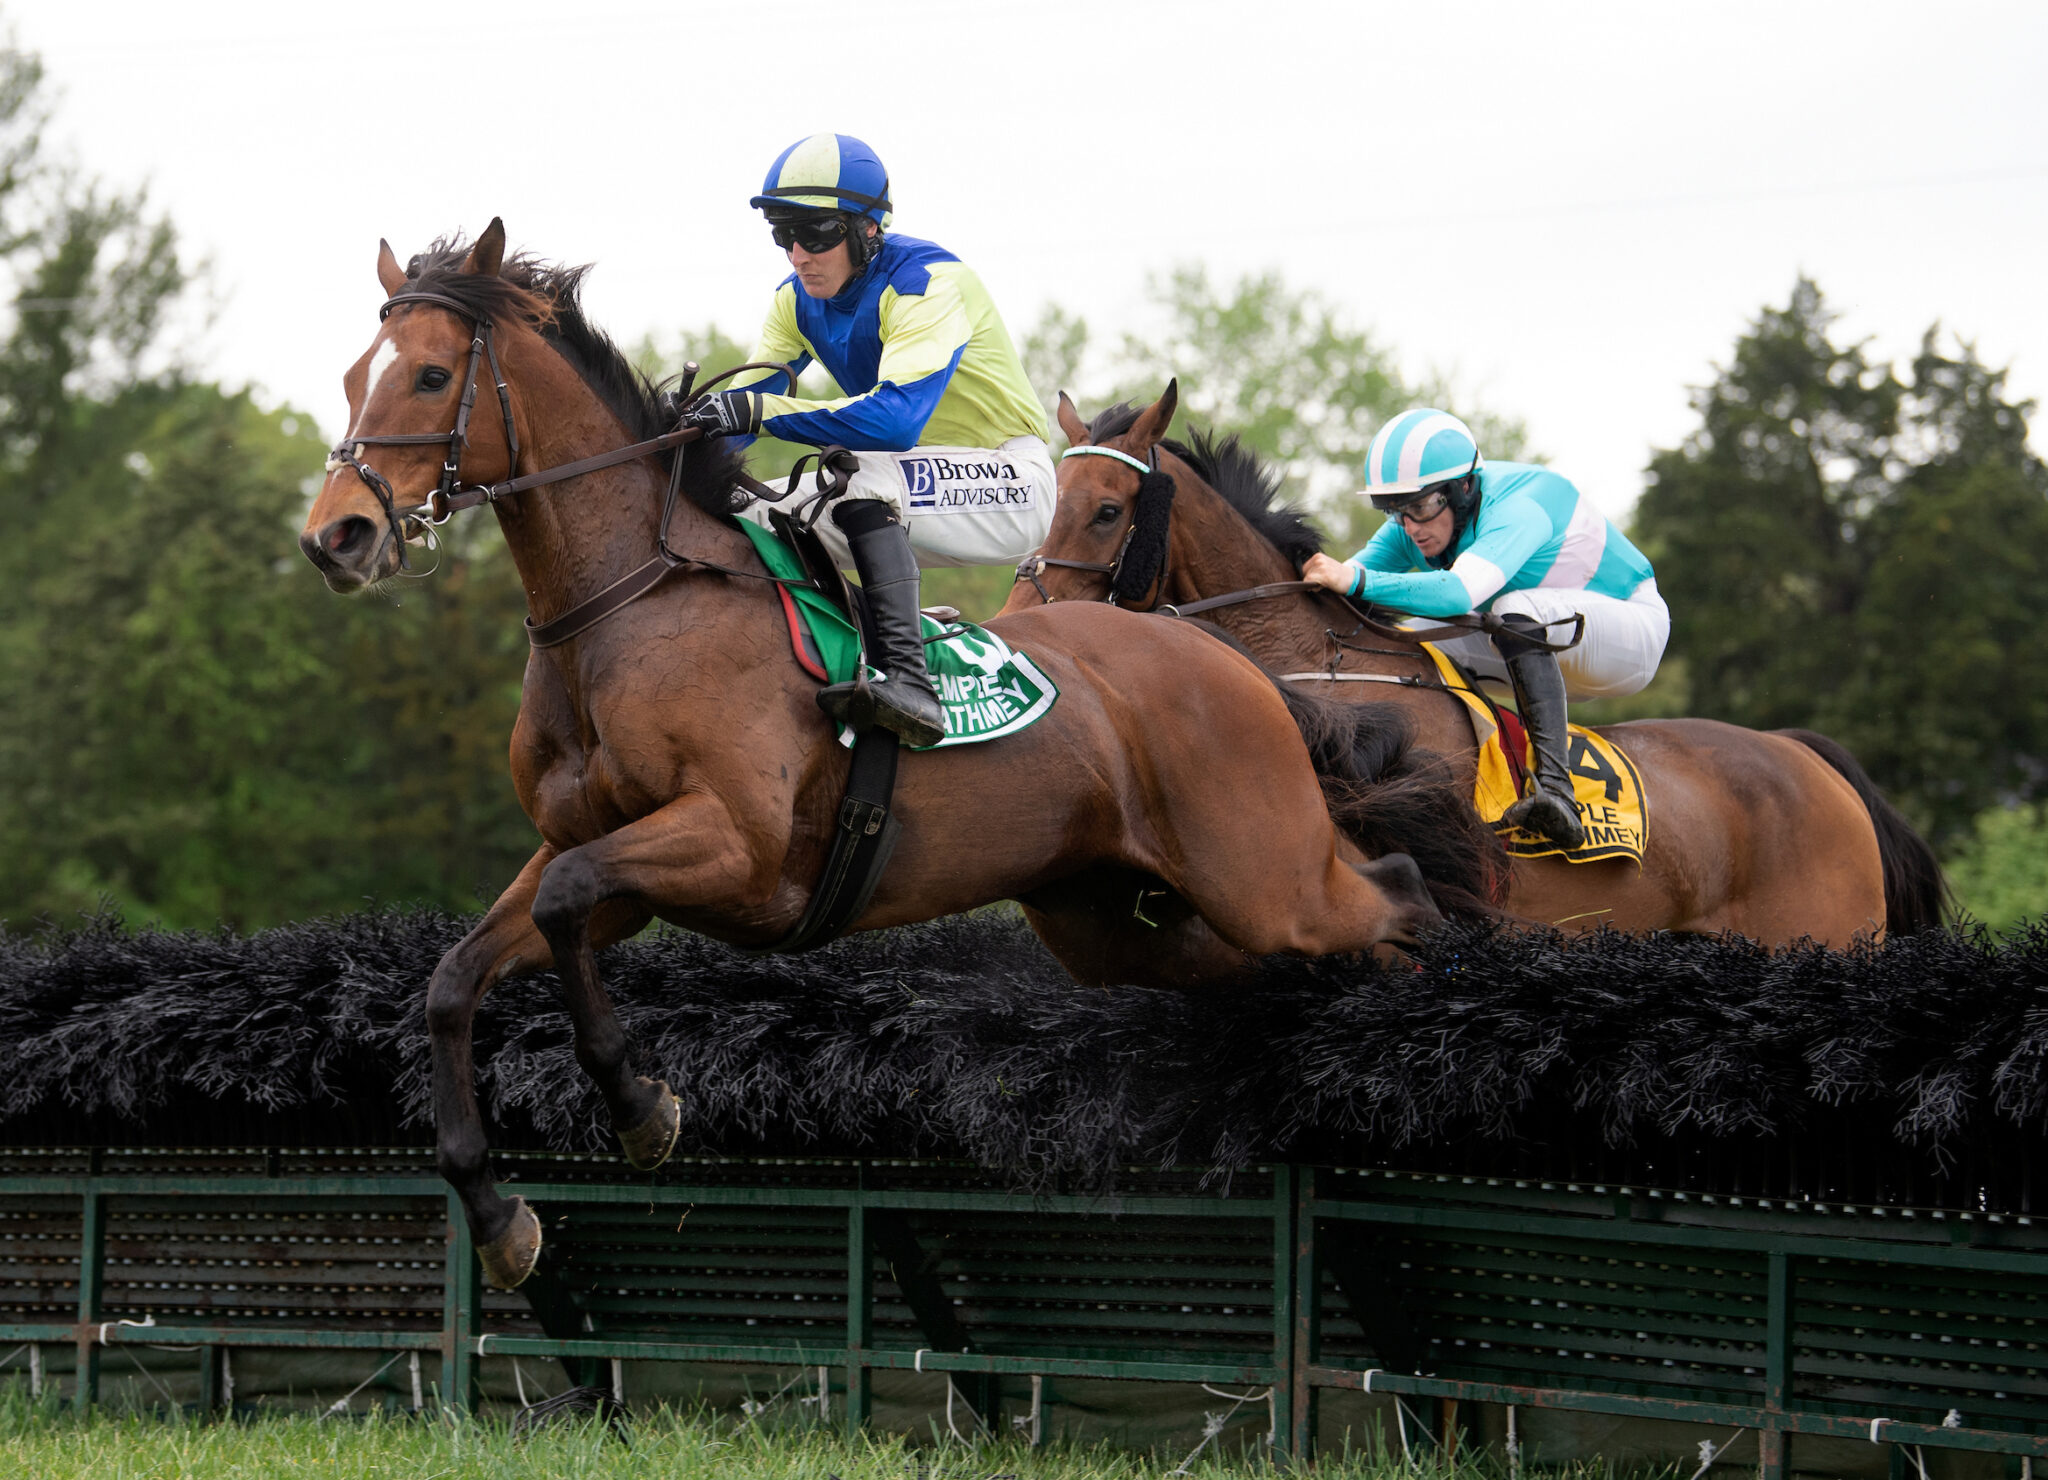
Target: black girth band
861, 845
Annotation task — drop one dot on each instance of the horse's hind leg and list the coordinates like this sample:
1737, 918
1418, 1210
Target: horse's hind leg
1115, 927
504, 943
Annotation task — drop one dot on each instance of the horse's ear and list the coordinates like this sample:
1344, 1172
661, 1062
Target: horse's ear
1153, 421
488, 255
389, 273
1071, 423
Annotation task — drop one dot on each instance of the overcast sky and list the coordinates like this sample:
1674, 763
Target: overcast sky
1573, 209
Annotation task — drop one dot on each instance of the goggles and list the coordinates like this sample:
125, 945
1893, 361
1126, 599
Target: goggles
1420, 509
819, 234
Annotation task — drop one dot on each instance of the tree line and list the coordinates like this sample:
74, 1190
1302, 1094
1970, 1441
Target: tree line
195, 730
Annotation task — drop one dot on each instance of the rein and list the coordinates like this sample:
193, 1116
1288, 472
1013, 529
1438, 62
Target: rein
450, 497
1446, 629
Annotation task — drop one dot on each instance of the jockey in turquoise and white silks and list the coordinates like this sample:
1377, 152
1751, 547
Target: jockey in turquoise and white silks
949, 437
1520, 541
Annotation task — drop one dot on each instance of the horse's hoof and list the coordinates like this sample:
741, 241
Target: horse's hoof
648, 1144
509, 1258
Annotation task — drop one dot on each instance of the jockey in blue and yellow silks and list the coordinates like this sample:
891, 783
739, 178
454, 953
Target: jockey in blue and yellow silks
948, 434
1466, 535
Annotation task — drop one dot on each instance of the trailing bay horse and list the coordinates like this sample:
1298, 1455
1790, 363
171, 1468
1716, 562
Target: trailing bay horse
674, 762
1780, 837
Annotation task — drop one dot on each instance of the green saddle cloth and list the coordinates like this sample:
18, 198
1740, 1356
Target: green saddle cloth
988, 688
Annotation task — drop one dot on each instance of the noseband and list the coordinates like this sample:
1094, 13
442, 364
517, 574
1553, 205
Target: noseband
1031, 567
440, 505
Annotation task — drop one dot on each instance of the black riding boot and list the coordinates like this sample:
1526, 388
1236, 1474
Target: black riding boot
901, 699
1539, 699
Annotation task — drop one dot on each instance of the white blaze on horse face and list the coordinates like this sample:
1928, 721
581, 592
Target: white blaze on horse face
384, 359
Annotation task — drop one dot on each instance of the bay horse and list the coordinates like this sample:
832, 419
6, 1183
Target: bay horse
675, 764
1777, 836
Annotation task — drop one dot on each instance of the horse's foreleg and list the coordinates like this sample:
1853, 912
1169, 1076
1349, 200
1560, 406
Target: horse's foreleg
601, 892
504, 943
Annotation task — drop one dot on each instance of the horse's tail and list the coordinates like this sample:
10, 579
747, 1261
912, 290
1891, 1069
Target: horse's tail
1916, 896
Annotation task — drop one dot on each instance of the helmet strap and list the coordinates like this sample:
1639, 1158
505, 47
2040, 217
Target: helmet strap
1461, 496
860, 246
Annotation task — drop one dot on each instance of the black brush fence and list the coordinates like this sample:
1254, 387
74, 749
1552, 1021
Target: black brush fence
1677, 1178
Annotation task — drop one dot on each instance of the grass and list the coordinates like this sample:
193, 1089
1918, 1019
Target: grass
41, 1441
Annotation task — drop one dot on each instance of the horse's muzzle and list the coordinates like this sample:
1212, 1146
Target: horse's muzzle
349, 553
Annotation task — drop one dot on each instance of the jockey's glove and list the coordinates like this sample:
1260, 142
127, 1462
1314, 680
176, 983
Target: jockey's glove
724, 414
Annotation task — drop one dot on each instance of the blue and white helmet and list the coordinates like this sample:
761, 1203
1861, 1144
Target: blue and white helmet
1416, 451
827, 172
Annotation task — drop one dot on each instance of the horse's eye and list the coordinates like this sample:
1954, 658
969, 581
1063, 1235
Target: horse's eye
432, 378
1109, 513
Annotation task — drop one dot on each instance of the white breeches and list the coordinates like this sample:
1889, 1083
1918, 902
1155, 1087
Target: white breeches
963, 505
1619, 654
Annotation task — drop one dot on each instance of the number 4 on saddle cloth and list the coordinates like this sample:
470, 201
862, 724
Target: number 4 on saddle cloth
1605, 785
988, 688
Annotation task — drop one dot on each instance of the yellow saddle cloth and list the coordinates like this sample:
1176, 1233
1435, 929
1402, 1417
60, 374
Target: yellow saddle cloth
1605, 785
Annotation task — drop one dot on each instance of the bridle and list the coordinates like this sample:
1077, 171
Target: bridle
440, 505
450, 496
1032, 566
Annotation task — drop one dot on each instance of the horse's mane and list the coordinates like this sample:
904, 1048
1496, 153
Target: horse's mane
548, 296
1234, 471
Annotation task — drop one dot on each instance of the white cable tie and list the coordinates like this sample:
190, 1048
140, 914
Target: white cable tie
482, 1337
917, 1362
1369, 1373
1875, 1425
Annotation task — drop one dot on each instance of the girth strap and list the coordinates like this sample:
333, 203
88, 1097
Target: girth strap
861, 844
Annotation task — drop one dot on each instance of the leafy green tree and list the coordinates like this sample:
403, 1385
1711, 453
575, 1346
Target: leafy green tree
1950, 698
1752, 524
1850, 552
1282, 368
190, 724
2000, 870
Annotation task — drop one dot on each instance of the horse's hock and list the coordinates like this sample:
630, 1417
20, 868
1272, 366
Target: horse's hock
1446, 1244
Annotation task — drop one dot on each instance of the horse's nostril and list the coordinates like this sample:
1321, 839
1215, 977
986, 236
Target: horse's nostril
344, 533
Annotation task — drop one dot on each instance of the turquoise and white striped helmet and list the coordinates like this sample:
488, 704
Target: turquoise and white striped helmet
1416, 451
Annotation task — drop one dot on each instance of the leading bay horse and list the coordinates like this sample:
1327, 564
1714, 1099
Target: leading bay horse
1777, 836
675, 764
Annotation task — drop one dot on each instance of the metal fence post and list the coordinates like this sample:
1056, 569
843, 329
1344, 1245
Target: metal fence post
461, 1313
860, 1302
1773, 1442
209, 1380
1286, 1204
92, 1267
1301, 1405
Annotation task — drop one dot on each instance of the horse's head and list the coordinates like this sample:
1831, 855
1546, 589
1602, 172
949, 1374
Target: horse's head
1221, 525
1109, 532
410, 438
